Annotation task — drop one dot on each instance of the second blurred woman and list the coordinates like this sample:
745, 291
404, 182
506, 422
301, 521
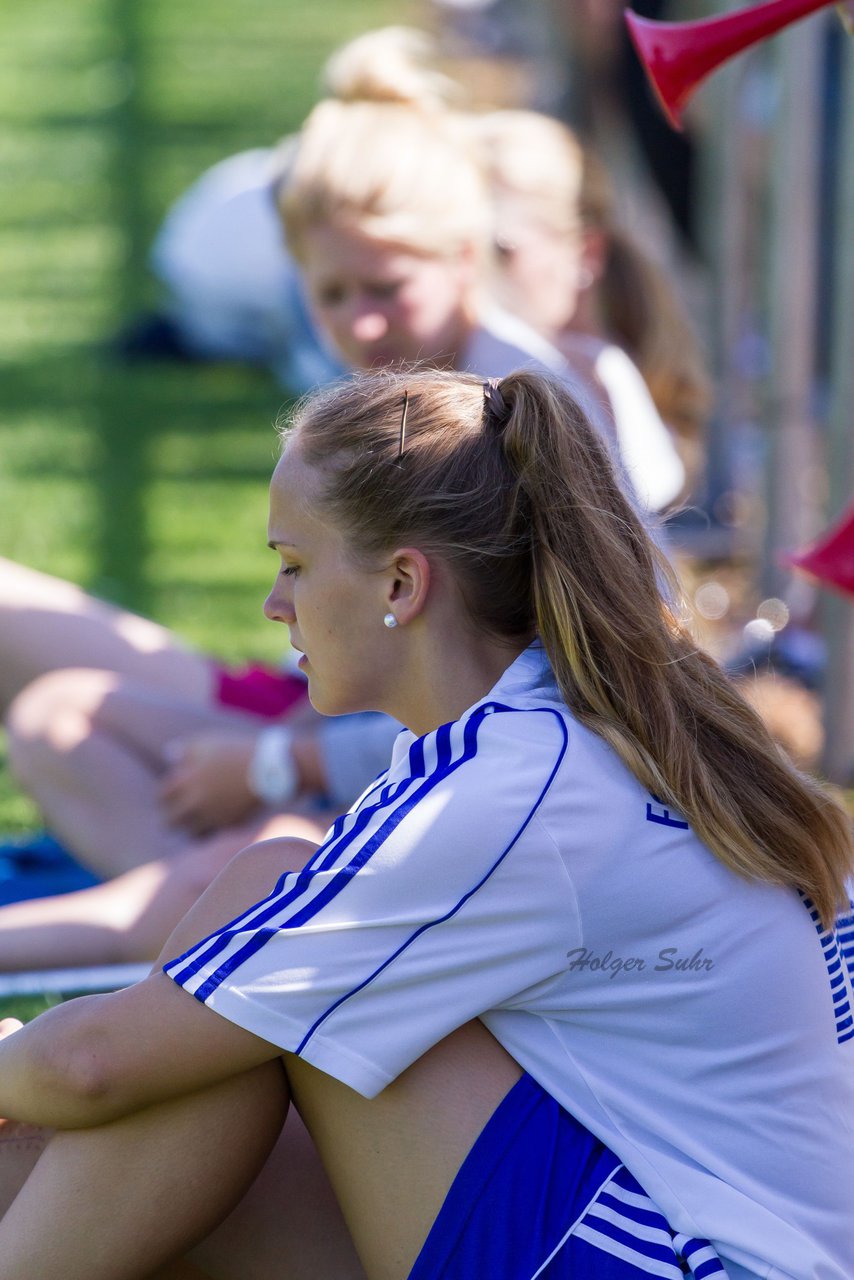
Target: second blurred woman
567, 266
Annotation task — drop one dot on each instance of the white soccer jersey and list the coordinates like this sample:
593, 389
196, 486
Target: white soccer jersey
508, 866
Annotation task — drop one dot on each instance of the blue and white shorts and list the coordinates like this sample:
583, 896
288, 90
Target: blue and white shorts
539, 1198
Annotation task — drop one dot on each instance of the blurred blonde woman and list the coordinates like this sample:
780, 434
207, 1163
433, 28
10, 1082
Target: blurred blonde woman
565, 265
230, 288
388, 212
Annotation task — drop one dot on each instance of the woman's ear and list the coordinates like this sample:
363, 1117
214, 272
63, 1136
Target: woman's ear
408, 584
469, 267
593, 256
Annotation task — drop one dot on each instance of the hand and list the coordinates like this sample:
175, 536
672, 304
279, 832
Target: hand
205, 786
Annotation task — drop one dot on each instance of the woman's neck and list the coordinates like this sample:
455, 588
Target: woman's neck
446, 679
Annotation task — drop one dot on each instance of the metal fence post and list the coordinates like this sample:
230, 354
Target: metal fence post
791, 517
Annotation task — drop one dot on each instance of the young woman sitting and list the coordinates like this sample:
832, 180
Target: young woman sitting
566, 993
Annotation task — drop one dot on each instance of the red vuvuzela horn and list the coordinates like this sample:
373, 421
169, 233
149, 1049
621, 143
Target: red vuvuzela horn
677, 56
831, 558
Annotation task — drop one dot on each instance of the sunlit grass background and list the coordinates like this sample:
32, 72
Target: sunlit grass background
145, 484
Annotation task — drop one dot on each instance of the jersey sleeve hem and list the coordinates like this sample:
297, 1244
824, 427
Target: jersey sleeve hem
352, 1069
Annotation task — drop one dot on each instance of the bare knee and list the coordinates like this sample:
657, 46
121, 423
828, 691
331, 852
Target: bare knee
54, 714
248, 877
74, 691
165, 891
194, 867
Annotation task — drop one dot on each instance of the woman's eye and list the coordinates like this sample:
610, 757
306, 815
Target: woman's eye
384, 288
331, 296
289, 570
504, 248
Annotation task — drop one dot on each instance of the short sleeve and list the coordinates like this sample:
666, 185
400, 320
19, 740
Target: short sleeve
439, 898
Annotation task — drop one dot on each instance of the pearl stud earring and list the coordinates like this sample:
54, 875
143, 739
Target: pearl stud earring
390, 620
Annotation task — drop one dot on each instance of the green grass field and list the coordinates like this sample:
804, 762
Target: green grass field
147, 485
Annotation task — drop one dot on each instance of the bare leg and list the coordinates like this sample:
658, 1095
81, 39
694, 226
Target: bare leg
391, 1159
121, 1200
288, 1224
20, 1147
46, 623
148, 1190
128, 919
89, 747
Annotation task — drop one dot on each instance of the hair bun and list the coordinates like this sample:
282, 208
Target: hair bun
391, 64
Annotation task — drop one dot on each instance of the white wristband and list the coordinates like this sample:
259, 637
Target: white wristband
272, 774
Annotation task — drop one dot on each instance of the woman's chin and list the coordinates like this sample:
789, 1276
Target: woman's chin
324, 706
327, 704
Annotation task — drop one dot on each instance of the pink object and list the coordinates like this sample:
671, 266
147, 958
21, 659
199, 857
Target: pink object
677, 56
259, 690
831, 559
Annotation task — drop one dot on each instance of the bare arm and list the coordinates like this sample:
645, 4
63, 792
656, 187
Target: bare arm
102, 1057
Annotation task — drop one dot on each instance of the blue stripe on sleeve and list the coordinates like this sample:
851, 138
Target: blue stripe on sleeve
186, 966
429, 924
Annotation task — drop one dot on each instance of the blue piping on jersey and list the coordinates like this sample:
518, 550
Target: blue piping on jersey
323, 857
453, 911
204, 952
445, 765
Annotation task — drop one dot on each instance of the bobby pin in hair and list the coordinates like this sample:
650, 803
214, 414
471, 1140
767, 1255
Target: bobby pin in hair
403, 426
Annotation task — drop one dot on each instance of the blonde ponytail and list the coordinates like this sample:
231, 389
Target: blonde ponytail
632, 673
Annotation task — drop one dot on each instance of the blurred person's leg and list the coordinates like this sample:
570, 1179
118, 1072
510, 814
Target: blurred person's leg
90, 748
128, 919
47, 623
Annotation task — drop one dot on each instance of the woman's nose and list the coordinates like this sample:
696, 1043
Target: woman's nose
368, 324
278, 607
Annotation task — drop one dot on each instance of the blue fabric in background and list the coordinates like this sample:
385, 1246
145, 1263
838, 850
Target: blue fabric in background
38, 867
